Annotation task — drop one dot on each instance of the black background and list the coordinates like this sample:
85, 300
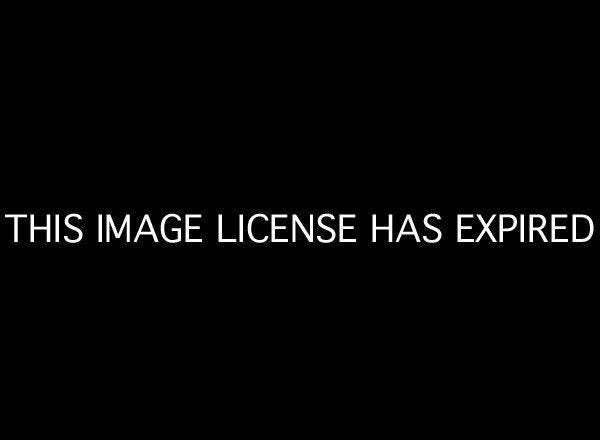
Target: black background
386, 112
